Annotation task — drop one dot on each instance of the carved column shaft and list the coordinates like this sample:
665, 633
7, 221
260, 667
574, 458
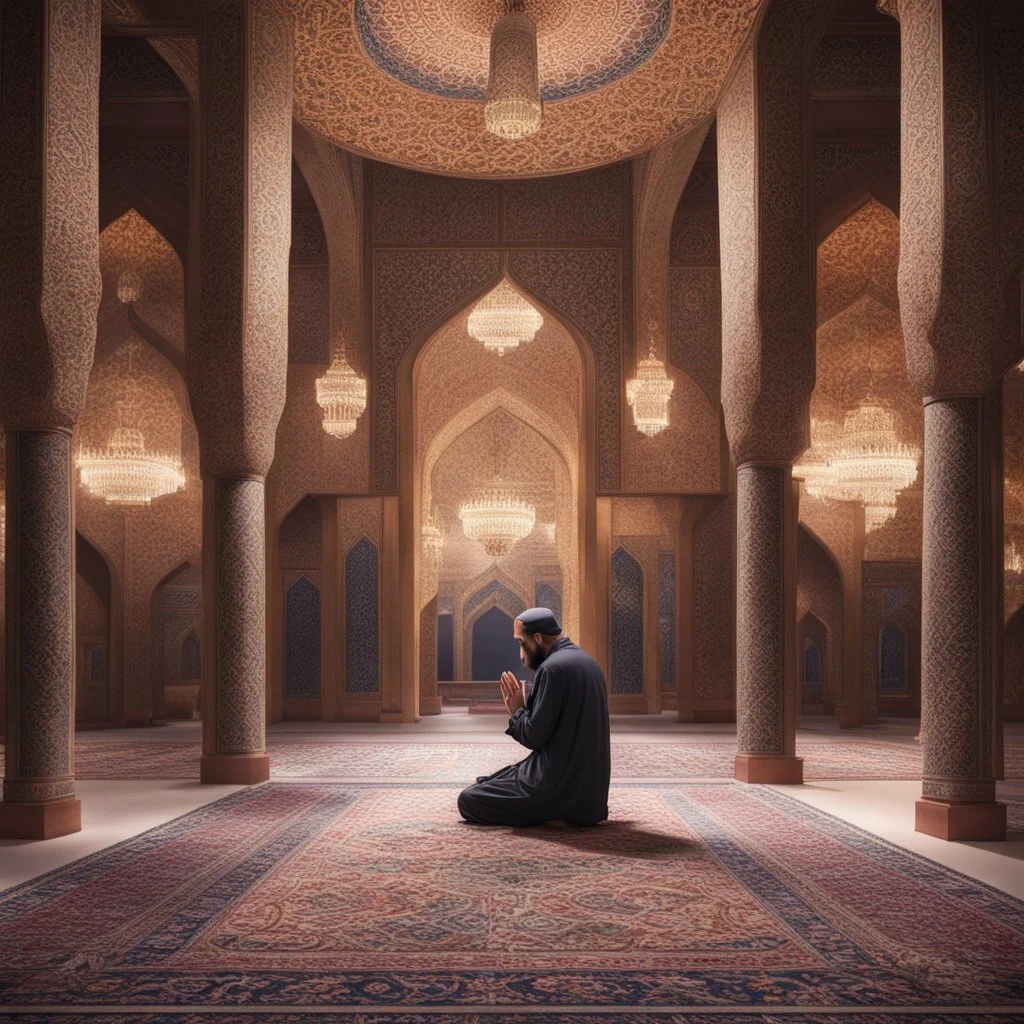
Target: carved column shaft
768, 361
238, 354
40, 596
952, 308
49, 295
766, 625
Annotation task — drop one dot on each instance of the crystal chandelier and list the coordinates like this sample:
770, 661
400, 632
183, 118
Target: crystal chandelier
125, 472
870, 464
876, 516
341, 393
504, 319
497, 519
129, 286
1013, 559
814, 467
512, 105
433, 538
648, 393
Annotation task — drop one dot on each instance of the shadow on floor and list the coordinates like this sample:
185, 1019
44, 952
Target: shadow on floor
619, 838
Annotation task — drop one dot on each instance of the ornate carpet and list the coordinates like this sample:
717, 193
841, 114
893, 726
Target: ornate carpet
372, 902
461, 762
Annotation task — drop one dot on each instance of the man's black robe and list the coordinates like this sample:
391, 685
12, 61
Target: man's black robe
565, 724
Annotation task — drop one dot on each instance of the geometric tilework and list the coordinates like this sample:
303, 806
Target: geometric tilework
362, 619
627, 624
893, 655
190, 661
97, 665
502, 596
547, 597
302, 640
667, 618
812, 690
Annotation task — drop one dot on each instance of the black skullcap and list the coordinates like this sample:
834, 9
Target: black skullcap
539, 620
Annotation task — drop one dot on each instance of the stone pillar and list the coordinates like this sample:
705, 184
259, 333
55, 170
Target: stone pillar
768, 361
850, 711
238, 355
952, 307
49, 296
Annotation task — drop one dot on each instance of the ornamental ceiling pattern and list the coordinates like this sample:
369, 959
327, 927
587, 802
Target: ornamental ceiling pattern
443, 48
402, 80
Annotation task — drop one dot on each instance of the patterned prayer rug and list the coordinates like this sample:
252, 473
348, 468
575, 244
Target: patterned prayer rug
455, 762
705, 899
601, 1017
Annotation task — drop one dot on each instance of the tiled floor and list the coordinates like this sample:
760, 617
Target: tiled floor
114, 811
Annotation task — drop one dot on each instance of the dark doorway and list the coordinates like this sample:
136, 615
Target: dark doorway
445, 648
494, 648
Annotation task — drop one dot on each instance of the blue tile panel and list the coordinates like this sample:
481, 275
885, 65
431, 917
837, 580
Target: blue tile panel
627, 623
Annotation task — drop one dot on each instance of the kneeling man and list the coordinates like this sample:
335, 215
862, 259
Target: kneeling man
564, 722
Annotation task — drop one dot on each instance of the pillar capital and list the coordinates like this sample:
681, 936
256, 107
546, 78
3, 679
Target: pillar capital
241, 233
49, 263
951, 284
767, 234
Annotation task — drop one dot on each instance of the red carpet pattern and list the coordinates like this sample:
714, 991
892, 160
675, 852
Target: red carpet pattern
616, 1017
702, 896
460, 762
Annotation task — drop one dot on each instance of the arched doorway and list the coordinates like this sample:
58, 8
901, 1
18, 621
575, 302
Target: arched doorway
96, 663
815, 658
494, 648
820, 592
176, 630
498, 420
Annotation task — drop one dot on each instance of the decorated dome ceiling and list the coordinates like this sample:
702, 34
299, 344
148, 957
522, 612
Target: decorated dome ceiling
404, 80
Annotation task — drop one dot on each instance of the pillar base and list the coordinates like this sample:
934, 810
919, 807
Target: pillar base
40, 820
849, 718
234, 769
430, 705
954, 821
781, 769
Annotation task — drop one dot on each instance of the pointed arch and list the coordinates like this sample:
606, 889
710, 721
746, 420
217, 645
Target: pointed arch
659, 181
843, 203
170, 694
154, 196
410, 478
97, 653
814, 647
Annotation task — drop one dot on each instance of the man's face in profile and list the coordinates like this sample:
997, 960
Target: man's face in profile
530, 653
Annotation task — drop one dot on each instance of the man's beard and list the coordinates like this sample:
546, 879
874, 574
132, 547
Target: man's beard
535, 657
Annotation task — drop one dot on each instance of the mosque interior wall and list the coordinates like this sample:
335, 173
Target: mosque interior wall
388, 262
